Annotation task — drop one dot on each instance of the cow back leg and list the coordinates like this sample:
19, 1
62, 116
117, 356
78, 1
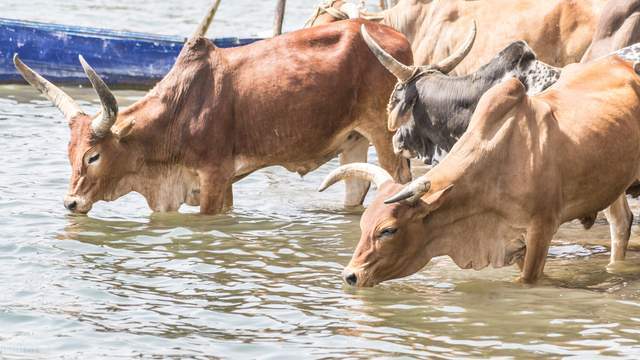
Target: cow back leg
396, 165
356, 151
538, 239
214, 186
620, 219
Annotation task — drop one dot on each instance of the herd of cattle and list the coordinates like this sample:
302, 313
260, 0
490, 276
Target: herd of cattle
519, 139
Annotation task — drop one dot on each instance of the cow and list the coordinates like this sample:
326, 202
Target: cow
618, 27
430, 111
221, 114
526, 165
559, 31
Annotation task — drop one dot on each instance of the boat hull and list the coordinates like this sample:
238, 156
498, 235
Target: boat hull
124, 59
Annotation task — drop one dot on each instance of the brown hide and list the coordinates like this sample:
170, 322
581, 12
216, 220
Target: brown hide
220, 114
525, 166
559, 31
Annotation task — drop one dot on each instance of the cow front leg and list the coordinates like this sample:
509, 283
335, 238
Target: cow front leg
396, 165
228, 198
214, 185
538, 239
620, 219
355, 151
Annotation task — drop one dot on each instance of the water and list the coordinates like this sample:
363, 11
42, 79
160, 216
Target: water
262, 281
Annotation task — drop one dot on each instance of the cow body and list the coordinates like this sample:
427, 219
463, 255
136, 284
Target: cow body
221, 114
526, 165
559, 31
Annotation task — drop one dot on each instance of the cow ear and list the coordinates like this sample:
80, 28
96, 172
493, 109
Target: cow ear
122, 129
432, 202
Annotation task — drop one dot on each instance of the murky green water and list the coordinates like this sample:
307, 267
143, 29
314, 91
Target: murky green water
262, 281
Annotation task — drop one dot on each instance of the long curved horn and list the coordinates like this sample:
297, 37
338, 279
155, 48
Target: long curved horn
398, 69
352, 10
101, 125
412, 192
363, 171
59, 98
206, 22
448, 64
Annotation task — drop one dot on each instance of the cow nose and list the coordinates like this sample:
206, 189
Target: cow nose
70, 204
351, 279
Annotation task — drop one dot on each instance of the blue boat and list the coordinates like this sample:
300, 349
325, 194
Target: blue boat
124, 59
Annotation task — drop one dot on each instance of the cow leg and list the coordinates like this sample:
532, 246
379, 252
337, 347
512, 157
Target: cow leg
538, 239
620, 219
355, 189
228, 198
396, 165
214, 185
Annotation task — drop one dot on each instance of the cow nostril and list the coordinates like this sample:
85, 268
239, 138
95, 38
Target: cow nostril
71, 205
351, 279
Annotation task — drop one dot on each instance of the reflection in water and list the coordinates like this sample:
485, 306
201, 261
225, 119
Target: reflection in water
262, 280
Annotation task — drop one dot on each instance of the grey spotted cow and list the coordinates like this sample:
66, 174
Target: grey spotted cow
431, 110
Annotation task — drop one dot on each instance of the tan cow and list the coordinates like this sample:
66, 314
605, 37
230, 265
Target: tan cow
558, 31
526, 165
221, 114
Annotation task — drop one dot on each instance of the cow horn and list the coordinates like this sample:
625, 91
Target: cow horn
401, 71
101, 125
411, 193
352, 10
363, 171
448, 64
206, 22
59, 98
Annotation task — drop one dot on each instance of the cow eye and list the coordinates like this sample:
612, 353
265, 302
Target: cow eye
93, 159
388, 232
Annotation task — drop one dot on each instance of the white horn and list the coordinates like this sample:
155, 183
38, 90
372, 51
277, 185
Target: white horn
101, 125
448, 64
398, 69
364, 171
412, 192
59, 98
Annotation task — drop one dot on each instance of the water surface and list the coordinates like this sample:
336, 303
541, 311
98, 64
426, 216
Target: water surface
263, 280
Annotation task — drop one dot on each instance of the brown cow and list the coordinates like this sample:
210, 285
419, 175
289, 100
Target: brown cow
221, 114
558, 31
526, 165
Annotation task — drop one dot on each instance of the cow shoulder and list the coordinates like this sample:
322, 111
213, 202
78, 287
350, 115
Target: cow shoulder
496, 104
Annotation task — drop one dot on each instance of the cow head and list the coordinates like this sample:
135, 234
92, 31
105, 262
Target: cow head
336, 10
97, 153
331, 11
405, 94
394, 241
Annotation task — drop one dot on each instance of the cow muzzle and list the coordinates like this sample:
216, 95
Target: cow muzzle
77, 204
356, 278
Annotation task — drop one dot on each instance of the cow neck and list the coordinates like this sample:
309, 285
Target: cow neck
470, 226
